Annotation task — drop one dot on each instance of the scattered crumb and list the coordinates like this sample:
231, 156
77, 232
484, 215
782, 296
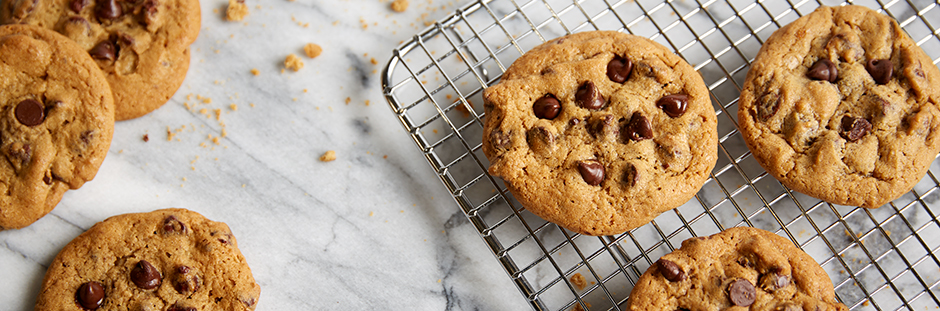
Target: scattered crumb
312, 50
373, 61
348, 100
578, 281
399, 5
237, 10
146, 138
293, 62
328, 156
233, 107
255, 71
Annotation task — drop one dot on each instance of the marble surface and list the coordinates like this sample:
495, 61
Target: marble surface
374, 229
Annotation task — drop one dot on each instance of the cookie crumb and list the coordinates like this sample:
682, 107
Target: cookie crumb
328, 156
399, 5
312, 50
237, 10
146, 138
255, 72
293, 62
578, 281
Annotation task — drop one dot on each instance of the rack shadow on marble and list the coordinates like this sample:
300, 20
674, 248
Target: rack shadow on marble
878, 259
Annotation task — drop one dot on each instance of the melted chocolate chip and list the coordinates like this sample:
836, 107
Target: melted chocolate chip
47, 180
181, 308
78, 5
104, 50
775, 280
619, 68
742, 292
825, 70
540, 139
186, 280
767, 106
591, 171
638, 128
854, 128
589, 97
145, 275
500, 140
673, 105
880, 69
630, 175
670, 270
90, 295
30, 112
547, 107
173, 225
108, 9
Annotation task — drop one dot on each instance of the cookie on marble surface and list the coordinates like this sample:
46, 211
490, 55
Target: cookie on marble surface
56, 121
600, 131
170, 259
841, 105
142, 46
740, 268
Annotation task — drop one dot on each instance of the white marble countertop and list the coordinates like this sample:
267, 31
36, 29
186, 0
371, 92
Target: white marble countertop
374, 229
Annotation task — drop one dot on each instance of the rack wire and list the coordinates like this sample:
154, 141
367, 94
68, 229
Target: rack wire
878, 259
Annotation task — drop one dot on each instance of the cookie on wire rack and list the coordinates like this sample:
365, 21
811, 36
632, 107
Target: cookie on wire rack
741, 268
600, 131
841, 105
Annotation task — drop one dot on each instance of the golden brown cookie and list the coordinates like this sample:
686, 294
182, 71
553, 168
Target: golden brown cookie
600, 131
56, 121
841, 105
741, 268
142, 45
170, 259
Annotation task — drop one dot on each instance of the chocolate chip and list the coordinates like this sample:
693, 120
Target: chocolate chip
824, 70
591, 171
547, 107
173, 225
47, 180
619, 68
775, 280
108, 9
540, 139
742, 292
90, 295
670, 270
30, 112
104, 50
880, 69
186, 280
638, 128
854, 128
78, 5
630, 175
500, 140
181, 308
767, 106
673, 105
145, 275
589, 97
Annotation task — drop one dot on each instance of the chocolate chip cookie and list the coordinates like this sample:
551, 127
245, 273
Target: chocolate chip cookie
741, 267
600, 131
841, 105
170, 259
141, 45
56, 121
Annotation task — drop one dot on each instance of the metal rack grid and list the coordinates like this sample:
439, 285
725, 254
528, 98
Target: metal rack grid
878, 259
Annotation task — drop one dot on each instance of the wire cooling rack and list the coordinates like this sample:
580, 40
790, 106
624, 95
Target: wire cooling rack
878, 259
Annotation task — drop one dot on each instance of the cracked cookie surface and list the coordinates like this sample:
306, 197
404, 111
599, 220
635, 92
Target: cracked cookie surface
141, 45
741, 268
56, 121
169, 259
600, 131
841, 105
